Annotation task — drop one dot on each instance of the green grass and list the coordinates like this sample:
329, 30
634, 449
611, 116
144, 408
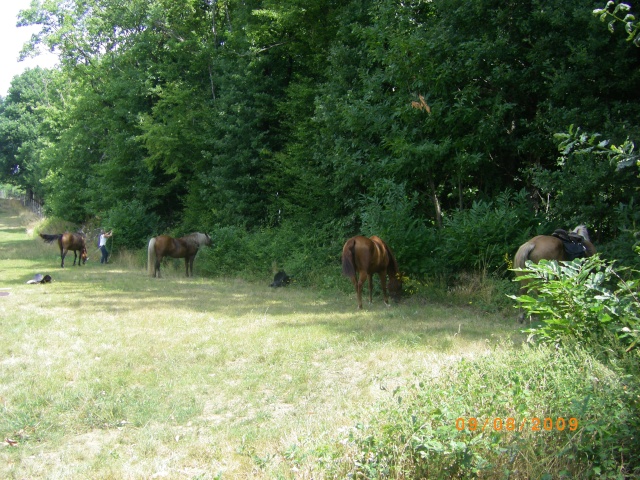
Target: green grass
107, 373
517, 414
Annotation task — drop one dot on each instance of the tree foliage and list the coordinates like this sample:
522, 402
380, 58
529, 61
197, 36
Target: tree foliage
25, 114
614, 13
403, 119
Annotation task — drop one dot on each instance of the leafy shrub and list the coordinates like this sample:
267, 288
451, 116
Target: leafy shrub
390, 214
310, 256
585, 299
483, 237
590, 183
426, 430
312, 260
302, 252
131, 223
624, 246
228, 254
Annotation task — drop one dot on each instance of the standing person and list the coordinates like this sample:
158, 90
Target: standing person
103, 245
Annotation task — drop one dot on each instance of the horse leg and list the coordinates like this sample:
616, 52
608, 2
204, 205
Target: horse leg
358, 284
188, 263
522, 318
521, 315
75, 257
522, 291
156, 271
383, 284
63, 253
370, 289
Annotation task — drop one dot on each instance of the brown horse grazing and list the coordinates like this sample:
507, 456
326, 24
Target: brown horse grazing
165, 246
547, 247
366, 257
69, 241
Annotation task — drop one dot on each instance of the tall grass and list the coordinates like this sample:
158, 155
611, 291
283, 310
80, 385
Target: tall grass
517, 413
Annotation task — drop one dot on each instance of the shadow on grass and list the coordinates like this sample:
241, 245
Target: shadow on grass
94, 289
100, 289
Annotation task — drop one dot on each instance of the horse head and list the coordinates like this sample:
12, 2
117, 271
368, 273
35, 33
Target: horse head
200, 239
582, 231
83, 255
395, 286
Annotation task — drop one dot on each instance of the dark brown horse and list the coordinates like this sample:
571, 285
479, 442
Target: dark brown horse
165, 246
69, 241
365, 257
548, 247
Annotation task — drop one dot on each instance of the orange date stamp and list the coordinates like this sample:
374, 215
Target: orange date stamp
509, 424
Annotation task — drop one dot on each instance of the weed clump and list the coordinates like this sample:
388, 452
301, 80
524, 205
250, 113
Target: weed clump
536, 412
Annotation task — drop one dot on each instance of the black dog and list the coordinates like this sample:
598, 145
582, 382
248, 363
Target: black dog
281, 279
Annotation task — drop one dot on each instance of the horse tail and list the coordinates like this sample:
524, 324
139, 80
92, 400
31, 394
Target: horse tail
151, 257
522, 255
50, 238
348, 254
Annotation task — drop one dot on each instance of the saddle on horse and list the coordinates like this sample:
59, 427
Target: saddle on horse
573, 245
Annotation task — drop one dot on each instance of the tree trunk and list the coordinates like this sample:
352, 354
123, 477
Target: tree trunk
436, 203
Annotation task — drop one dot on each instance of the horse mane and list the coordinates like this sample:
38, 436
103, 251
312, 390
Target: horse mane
393, 268
582, 231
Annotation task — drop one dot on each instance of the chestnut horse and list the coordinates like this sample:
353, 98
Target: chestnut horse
69, 241
365, 257
184, 247
547, 247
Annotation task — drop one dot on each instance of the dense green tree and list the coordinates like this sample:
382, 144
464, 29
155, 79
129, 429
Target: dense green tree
109, 54
22, 114
327, 116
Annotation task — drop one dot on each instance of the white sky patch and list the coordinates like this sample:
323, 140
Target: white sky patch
12, 39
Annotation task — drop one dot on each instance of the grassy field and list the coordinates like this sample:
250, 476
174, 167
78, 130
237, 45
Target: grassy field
107, 373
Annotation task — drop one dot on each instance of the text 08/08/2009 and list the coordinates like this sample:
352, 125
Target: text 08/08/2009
510, 424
